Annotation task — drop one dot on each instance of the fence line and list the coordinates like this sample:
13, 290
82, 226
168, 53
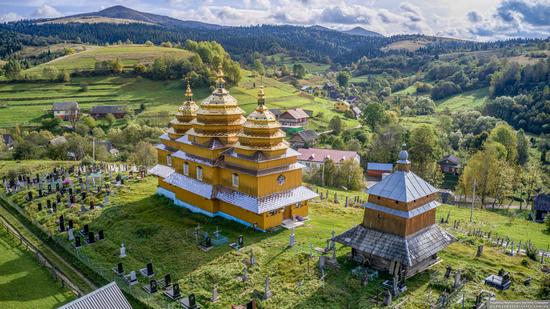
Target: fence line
42, 259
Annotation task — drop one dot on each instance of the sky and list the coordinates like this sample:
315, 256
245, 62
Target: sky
481, 20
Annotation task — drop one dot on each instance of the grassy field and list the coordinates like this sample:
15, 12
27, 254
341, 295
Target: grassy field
128, 54
468, 100
155, 230
28, 103
311, 67
23, 283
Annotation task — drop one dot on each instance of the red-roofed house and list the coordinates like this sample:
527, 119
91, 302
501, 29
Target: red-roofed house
316, 157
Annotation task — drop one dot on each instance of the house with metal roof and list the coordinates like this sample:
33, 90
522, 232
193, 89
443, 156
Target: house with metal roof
450, 164
375, 169
541, 206
8, 140
399, 234
306, 138
66, 110
316, 157
106, 297
293, 120
100, 111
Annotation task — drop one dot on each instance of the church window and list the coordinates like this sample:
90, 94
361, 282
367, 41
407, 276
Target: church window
235, 180
186, 169
281, 179
199, 173
169, 160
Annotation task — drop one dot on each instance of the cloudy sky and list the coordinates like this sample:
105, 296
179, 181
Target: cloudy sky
469, 19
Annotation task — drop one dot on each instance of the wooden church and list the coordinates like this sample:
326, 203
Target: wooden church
399, 233
214, 161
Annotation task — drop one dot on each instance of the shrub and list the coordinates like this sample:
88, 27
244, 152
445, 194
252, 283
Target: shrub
532, 252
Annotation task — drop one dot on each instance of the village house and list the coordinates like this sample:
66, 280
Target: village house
331, 91
229, 166
304, 139
450, 164
398, 234
66, 110
541, 206
8, 140
293, 120
378, 170
314, 158
100, 111
356, 112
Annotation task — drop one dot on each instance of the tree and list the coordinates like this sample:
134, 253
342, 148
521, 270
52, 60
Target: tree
144, 155
425, 149
259, 67
349, 174
110, 119
25, 150
374, 116
117, 66
335, 125
12, 69
522, 148
505, 135
298, 70
50, 73
386, 144
343, 78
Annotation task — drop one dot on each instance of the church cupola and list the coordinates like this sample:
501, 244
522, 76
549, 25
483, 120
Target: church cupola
185, 115
403, 164
261, 132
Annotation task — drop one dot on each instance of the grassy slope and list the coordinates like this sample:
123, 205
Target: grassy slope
153, 229
23, 283
468, 100
28, 102
128, 54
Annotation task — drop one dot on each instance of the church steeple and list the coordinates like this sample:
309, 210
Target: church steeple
186, 113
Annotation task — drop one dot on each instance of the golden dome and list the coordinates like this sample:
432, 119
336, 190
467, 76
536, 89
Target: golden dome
220, 81
189, 107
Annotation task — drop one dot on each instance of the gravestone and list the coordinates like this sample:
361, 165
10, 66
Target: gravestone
176, 290
215, 296
39, 206
49, 203
91, 237
148, 270
58, 198
132, 278
322, 261
122, 251
244, 276
252, 260
29, 196
267, 290
365, 278
458, 280
54, 206
167, 280
100, 235
347, 202
189, 302
479, 250
70, 234
91, 204
292, 240
61, 224
387, 298
77, 243
448, 271
119, 269
85, 230
71, 224
152, 287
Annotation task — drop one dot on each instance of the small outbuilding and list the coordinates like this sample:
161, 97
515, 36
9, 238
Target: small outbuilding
100, 111
541, 206
450, 164
375, 169
304, 139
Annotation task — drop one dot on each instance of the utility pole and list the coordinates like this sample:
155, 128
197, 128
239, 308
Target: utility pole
473, 200
323, 174
93, 149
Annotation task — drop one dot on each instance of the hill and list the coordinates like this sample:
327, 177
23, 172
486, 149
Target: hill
128, 54
362, 31
121, 14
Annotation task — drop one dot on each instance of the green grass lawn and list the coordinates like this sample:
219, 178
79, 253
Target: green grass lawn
23, 282
155, 230
411, 90
468, 100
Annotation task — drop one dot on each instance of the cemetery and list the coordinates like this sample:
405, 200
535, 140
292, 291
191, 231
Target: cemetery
110, 219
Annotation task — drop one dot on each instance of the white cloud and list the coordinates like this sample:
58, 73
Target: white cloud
11, 16
46, 11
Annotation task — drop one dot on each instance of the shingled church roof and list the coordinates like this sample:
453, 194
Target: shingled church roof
403, 186
407, 250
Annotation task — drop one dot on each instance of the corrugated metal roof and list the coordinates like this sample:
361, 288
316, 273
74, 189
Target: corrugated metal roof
403, 214
379, 166
161, 170
64, 106
407, 250
190, 184
267, 203
402, 186
107, 297
320, 155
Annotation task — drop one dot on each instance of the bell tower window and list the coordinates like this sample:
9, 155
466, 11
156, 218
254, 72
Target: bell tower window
199, 173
